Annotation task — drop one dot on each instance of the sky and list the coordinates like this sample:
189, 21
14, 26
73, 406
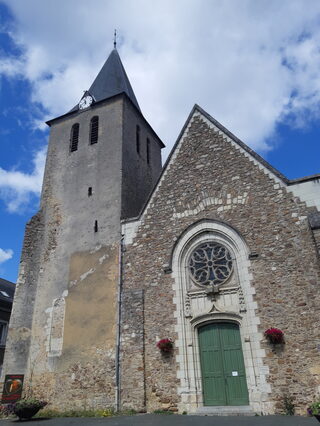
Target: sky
254, 65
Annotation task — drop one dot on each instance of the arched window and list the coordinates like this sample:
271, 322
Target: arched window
74, 137
94, 129
138, 139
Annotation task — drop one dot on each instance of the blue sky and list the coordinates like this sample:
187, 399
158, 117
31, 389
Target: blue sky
253, 65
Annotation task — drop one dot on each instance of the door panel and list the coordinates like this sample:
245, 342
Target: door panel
212, 366
222, 365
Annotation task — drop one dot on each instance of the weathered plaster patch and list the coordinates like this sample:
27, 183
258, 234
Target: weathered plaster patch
84, 276
102, 258
97, 248
91, 304
54, 327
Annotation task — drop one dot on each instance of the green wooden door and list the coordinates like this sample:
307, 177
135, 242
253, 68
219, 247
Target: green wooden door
222, 366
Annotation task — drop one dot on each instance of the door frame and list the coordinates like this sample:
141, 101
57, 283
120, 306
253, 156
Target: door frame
209, 318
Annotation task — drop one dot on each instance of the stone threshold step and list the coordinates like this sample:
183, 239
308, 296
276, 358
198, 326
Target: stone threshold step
230, 410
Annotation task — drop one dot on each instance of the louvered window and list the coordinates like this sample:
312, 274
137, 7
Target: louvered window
148, 150
94, 129
74, 137
138, 139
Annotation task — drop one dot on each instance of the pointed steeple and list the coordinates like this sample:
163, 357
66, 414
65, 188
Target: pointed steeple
112, 80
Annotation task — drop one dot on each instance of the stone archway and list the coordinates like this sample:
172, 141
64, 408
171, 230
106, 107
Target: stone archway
197, 305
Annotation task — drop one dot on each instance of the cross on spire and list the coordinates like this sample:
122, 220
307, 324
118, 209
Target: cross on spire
115, 39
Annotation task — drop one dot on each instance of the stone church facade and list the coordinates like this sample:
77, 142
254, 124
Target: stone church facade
209, 251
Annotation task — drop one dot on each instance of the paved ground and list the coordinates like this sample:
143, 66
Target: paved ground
171, 420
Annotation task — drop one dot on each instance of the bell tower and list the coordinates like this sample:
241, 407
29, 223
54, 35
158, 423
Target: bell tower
103, 161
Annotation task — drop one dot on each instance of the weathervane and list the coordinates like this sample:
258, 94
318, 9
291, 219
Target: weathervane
115, 39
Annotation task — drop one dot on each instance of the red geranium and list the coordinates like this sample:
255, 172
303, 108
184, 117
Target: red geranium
165, 345
274, 335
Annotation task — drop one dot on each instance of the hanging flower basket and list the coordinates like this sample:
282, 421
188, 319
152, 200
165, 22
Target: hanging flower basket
165, 345
274, 335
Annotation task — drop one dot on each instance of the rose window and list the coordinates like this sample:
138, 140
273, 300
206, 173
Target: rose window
210, 264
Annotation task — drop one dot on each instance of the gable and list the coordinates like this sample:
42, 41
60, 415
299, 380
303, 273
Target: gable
241, 153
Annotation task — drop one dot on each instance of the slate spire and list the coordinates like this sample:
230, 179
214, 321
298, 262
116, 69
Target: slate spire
112, 80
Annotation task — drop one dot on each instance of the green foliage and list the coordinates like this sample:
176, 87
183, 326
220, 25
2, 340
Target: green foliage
162, 412
128, 412
288, 405
76, 413
314, 408
107, 412
29, 403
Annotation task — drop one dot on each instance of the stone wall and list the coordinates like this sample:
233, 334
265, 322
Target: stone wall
138, 174
19, 335
211, 177
314, 221
132, 340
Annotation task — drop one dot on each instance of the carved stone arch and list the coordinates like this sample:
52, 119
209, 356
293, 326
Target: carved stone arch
197, 307
201, 320
201, 227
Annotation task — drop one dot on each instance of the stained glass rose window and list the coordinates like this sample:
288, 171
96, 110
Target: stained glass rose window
210, 264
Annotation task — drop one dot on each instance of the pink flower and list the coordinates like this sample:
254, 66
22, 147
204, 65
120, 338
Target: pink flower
274, 335
165, 345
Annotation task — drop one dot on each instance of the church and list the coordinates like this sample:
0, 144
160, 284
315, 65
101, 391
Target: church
158, 288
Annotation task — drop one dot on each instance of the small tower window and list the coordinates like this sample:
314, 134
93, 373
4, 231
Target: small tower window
94, 129
74, 137
95, 226
148, 150
138, 139
89, 191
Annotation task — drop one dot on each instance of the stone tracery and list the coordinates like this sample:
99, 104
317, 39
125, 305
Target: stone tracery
210, 264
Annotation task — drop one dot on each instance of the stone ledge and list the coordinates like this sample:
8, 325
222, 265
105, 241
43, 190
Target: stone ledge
229, 410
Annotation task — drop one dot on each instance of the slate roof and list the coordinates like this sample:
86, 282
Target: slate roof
111, 80
7, 287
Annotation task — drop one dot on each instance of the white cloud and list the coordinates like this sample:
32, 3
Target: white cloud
5, 255
250, 64
17, 188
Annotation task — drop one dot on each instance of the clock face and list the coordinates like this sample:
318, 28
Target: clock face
85, 102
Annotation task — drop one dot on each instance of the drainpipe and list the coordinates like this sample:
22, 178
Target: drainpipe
117, 395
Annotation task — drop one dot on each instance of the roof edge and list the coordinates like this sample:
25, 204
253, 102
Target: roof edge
7, 282
118, 95
304, 179
243, 145
250, 151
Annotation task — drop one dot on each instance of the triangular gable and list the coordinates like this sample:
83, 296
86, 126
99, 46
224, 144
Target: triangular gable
278, 177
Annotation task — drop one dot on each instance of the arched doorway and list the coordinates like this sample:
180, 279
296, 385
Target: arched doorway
222, 366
